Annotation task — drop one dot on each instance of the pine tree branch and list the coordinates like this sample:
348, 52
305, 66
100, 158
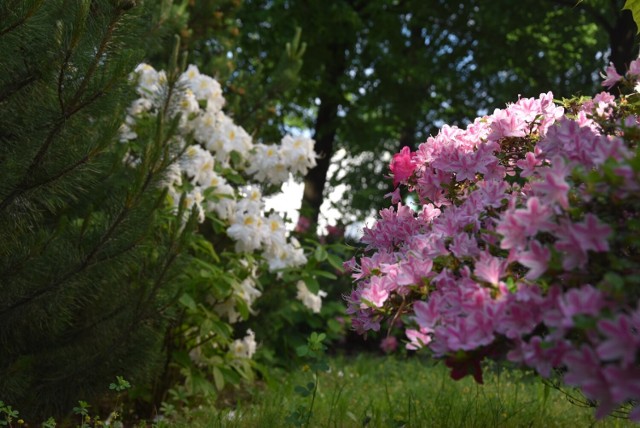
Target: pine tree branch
97, 58
128, 206
16, 86
86, 262
34, 8
72, 107
24, 186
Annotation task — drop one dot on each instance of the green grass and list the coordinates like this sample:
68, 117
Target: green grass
393, 392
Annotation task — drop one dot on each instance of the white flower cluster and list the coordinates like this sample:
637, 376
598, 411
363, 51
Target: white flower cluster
246, 347
198, 100
310, 300
273, 164
245, 291
220, 150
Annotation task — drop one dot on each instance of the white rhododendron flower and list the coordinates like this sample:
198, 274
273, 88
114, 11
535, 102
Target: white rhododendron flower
298, 153
213, 155
310, 300
227, 309
246, 347
248, 292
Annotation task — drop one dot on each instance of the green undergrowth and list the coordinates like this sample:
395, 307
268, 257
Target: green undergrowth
368, 391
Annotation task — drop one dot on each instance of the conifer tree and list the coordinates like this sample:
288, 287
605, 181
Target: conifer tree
87, 251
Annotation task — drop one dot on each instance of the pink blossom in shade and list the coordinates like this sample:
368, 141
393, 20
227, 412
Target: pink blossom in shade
604, 103
513, 232
464, 165
518, 319
608, 148
585, 300
395, 196
389, 344
486, 161
408, 272
464, 245
495, 171
585, 372
303, 224
612, 77
418, 268
604, 97
592, 234
476, 298
489, 268
544, 356
427, 313
570, 245
375, 293
402, 165
507, 123
393, 227
536, 259
634, 414
634, 68
535, 217
570, 139
630, 182
528, 164
429, 186
553, 185
451, 222
365, 320
426, 245
353, 301
335, 231
552, 316
493, 192
429, 213
350, 265
418, 338
526, 108
444, 279
362, 270
624, 381
622, 340
466, 333
515, 352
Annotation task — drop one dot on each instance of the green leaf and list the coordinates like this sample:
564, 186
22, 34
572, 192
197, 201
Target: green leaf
236, 158
324, 274
182, 358
615, 280
321, 253
312, 284
302, 350
634, 7
301, 390
187, 301
218, 378
335, 261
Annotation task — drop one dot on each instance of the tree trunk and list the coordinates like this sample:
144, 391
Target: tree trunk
622, 39
325, 129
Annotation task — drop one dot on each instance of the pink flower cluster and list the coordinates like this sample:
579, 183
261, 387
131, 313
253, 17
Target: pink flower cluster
526, 246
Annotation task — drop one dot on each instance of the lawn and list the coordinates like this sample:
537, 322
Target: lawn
374, 391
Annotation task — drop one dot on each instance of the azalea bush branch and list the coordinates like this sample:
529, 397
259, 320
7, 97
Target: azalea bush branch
524, 246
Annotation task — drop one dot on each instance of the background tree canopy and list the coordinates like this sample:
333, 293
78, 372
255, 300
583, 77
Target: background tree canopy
378, 75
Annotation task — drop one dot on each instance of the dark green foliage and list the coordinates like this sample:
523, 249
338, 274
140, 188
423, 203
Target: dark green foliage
86, 250
378, 75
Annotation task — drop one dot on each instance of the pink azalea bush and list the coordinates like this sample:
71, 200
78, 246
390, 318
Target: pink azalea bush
525, 247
